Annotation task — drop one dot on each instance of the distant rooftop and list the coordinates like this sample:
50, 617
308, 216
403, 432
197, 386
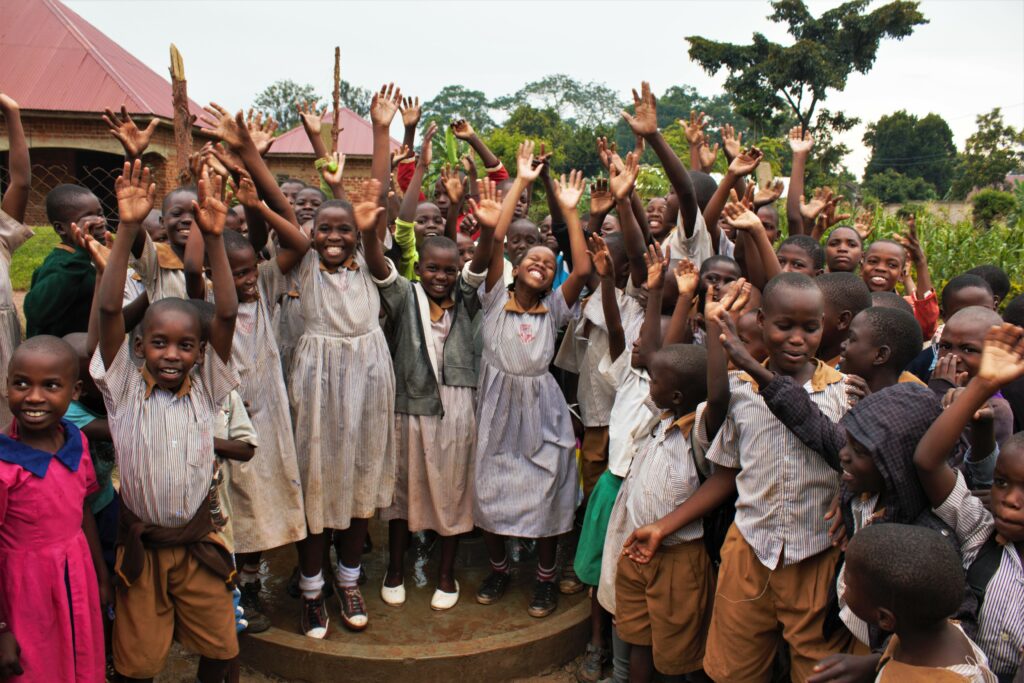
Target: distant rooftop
356, 137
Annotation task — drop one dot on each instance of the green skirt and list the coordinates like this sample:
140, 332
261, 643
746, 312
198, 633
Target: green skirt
595, 524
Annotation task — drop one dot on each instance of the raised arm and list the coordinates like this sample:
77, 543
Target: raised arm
487, 212
568, 193
694, 131
15, 199
650, 330
132, 139
800, 141
601, 204
742, 165
455, 188
742, 218
312, 123
411, 113
210, 212
605, 269
411, 198
193, 261
368, 213
383, 108
526, 173
464, 131
292, 241
622, 182
916, 252
687, 278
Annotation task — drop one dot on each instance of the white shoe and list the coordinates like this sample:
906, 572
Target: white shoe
442, 601
393, 595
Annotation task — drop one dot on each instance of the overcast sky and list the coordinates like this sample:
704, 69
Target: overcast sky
969, 59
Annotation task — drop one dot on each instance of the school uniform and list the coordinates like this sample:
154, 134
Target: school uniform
12, 235
232, 424
161, 270
974, 668
697, 247
174, 569
777, 559
60, 296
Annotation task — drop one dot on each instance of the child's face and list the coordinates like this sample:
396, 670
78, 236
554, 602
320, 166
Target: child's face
441, 198
843, 251
793, 259
467, 247
749, 332
429, 222
522, 205
521, 237
40, 386
231, 221
964, 339
245, 274
537, 269
171, 346
179, 218
610, 225
656, 216
718, 276
87, 214
882, 267
243, 226
438, 270
859, 351
856, 596
791, 328
968, 296
1008, 494
306, 202
154, 225
770, 221
547, 237
664, 392
334, 236
859, 472
289, 190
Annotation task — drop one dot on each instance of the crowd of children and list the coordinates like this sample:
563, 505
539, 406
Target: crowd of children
785, 469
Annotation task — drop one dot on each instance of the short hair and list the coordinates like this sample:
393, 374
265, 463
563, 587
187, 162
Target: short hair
48, 345
616, 246
885, 240
440, 243
191, 189
335, 204
1012, 441
844, 291
810, 246
522, 223
704, 187
716, 259
961, 282
860, 240
62, 200
292, 181
897, 329
911, 570
770, 209
688, 365
978, 315
168, 305
311, 188
1014, 311
891, 300
787, 281
236, 242
206, 311
997, 279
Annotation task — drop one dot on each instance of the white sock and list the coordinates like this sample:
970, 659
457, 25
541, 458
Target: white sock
311, 585
347, 576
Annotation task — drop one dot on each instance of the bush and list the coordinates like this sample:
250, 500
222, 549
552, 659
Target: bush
892, 187
992, 205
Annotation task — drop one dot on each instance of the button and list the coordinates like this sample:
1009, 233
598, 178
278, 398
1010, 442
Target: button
1004, 636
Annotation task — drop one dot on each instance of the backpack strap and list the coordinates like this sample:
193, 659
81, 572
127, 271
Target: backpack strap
984, 567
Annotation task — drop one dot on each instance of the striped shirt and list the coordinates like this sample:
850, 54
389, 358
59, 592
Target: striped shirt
161, 271
1001, 619
784, 487
632, 392
163, 441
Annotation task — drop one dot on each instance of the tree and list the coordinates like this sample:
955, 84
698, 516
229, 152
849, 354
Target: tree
892, 187
355, 98
459, 102
588, 104
770, 82
992, 152
916, 148
279, 99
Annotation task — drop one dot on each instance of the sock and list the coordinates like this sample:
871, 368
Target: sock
545, 574
501, 567
250, 573
311, 585
347, 576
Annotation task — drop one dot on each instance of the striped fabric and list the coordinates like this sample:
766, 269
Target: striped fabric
164, 443
342, 395
160, 281
784, 487
12, 235
1001, 621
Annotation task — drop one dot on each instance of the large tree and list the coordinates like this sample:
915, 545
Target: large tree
588, 104
279, 100
992, 152
915, 148
459, 102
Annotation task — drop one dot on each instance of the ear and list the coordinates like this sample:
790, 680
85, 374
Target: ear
202, 354
843, 322
760, 318
138, 346
677, 398
886, 619
62, 230
818, 272
882, 355
76, 390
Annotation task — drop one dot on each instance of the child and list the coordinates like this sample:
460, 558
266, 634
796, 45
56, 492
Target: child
49, 551
776, 566
435, 401
907, 580
997, 280
524, 474
175, 571
883, 266
845, 297
12, 235
417, 220
801, 254
843, 250
991, 543
880, 344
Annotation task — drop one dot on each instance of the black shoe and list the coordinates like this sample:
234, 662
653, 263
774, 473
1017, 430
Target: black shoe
493, 587
353, 608
589, 670
545, 599
252, 608
314, 617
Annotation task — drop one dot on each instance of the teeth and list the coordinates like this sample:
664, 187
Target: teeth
35, 413
333, 251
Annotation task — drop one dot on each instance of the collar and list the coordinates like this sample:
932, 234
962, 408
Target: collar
834, 362
151, 384
683, 424
823, 376
349, 264
513, 306
910, 378
166, 258
437, 309
12, 450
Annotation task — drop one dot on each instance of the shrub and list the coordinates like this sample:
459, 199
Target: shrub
892, 186
991, 205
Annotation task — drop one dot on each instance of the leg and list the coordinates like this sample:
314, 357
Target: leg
249, 579
621, 652
641, 664
145, 619
545, 592
212, 670
398, 543
589, 669
494, 585
349, 545
446, 572
314, 621
496, 551
311, 554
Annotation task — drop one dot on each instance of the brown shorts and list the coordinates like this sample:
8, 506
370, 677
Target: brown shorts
174, 598
594, 460
665, 604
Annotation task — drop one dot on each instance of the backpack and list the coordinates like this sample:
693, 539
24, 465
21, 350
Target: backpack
984, 567
718, 521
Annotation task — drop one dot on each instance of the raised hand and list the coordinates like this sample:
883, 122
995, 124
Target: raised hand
736, 350
687, 278
707, 155
828, 217
601, 257
606, 151
231, 129
367, 209
744, 163
335, 160
452, 184
384, 105
800, 141
810, 210
261, 131
427, 148
469, 165
656, 264
601, 200
99, 253
135, 193
645, 120
911, 243
207, 156
7, 104
400, 155
525, 167
224, 156
568, 192
310, 117
741, 217
123, 128
694, 128
731, 141
768, 194
1002, 356
244, 190
623, 179
487, 209
728, 300
210, 211
411, 111
864, 223
945, 369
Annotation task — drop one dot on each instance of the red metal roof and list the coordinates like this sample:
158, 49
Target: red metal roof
356, 137
51, 59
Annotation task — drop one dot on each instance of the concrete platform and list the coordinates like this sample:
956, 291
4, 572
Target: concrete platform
470, 642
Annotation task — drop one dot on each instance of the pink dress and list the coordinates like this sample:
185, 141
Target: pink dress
45, 560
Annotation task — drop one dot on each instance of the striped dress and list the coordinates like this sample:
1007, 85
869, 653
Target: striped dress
342, 394
12, 235
288, 322
524, 467
266, 492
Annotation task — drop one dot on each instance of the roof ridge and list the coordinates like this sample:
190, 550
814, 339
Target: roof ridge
60, 11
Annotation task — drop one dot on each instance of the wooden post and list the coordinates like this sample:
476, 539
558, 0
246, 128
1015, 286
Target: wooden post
336, 125
182, 118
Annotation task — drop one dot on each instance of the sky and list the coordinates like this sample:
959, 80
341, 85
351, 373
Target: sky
966, 61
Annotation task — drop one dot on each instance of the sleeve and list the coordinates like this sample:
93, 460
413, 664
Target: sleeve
5, 487
699, 443
117, 382
561, 311
567, 355
404, 174
89, 470
967, 515
795, 409
697, 247
394, 296
50, 297
13, 234
725, 449
77, 415
726, 247
240, 427
981, 472
498, 173
389, 278
405, 238
926, 312
147, 265
219, 379
133, 288
494, 298
469, 285
614, 372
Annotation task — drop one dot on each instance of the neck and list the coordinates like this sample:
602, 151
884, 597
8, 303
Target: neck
829, 350
49, 440
801, 377
526, 296
881, 378
934, 645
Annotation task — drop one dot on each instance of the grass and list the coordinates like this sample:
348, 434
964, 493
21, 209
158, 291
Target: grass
30, 256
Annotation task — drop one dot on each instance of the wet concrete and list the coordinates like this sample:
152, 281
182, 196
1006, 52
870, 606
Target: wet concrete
471, 642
